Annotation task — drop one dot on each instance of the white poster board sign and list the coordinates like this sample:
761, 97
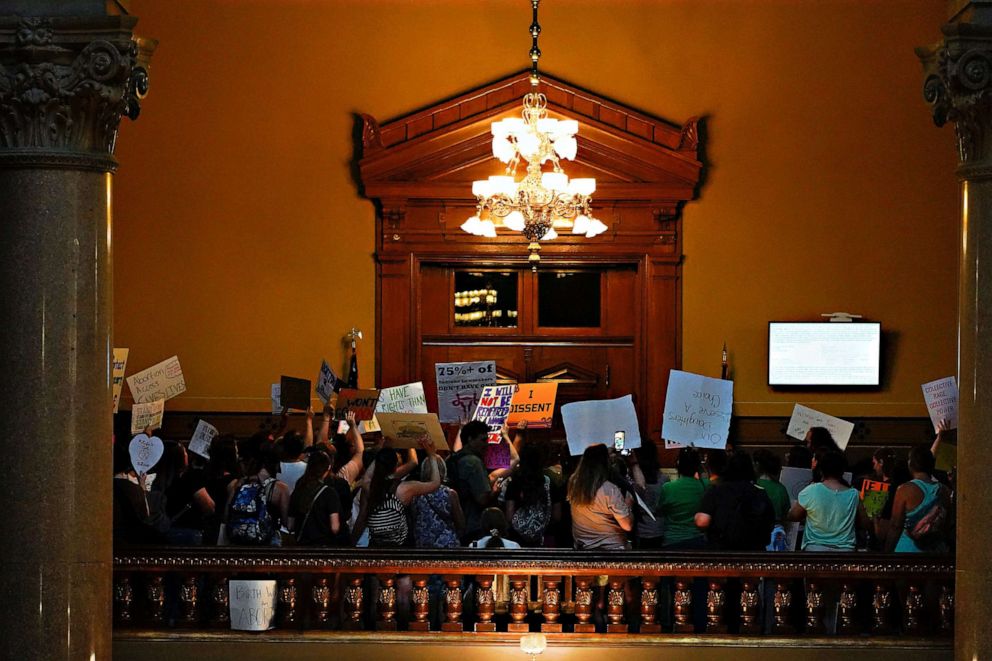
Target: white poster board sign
942, 401
275, 394
459, 386
162, 381
697, 411
253, 605
117, 375
145, 452
325, 382
804, 417
402, 399
147, 415
596, 421
494, 409
203, 436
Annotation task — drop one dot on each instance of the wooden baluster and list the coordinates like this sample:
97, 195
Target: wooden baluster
386, 603
881, 606
847, 616
814, 609
485, 604
518, 605
220, 596
615, 605
649, 605
453, 604
749, 608
155, 596
682, 609
551, 604
287, 603
189, 601
912, 611
123, 599
583, 605
421, 604
354, 601
716, 599
945, 605
782, 604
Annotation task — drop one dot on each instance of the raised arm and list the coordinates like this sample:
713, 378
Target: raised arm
325, 424
407, 466
353, 468
943, 430
308, 433
407, 491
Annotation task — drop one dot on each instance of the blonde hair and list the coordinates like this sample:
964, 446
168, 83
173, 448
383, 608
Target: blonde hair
430, 465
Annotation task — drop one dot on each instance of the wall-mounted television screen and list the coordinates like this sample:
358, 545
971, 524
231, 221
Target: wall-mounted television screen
823, 353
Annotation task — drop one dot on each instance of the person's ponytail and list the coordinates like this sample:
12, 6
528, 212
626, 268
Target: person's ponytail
494, 541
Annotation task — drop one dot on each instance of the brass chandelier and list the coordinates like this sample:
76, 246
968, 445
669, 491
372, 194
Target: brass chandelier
542, 200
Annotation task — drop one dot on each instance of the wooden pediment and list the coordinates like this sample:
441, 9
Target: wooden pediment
567, 373
437, 152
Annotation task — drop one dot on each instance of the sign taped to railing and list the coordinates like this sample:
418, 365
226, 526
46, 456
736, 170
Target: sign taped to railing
253, 605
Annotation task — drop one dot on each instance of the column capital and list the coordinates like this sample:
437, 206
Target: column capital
65, 83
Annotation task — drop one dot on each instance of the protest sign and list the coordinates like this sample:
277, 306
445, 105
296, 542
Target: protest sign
145, 452
203, 436
459, 386
117, 374
275, 394
162, 381
804, 417
402, 399
873, 497
294, 393
947, 455
497, 455
369, 426
493, 409
697, 411
326, 382
147, 415
403, 430
253, 605
535, 403
596, 421
942, 401
359, 402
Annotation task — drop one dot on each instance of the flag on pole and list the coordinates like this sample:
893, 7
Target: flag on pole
353, 369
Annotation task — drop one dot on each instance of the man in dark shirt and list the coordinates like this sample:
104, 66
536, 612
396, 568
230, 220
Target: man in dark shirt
469, 478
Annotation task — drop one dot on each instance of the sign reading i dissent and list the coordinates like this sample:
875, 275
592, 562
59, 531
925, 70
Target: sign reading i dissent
533, 403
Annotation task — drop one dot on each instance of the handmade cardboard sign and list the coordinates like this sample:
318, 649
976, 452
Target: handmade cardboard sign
596, 421
459, 386
497, 455
145, 452
402, 399
942, 401
203, 436
804, 417
874, 495
162, 381
535, 403
253, 605
697, 411
326, 381
493, 409
403, 430
117, 374
360, 402
369, 426
294, 393
147, 415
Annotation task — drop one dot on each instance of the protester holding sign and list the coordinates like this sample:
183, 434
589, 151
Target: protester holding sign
468, 477
922, 509
258, 504
530, 504
438, 517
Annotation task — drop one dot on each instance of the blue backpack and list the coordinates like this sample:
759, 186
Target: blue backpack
248, 518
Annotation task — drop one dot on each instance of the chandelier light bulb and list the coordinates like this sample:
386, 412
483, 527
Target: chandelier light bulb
596, 227
503, 149
471, 225
581, 224
585, 187
555, 181
514, 221
481, 188
566, 147
487, 229
550, 235
528, 143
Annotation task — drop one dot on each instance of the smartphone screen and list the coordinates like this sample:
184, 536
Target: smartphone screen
618, 440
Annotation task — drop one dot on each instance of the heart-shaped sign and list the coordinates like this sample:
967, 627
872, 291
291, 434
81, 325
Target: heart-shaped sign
145, 452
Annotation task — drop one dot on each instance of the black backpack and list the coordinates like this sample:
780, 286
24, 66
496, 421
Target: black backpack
750, 527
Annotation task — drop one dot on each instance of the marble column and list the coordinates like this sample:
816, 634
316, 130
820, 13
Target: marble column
66, 79
958, 85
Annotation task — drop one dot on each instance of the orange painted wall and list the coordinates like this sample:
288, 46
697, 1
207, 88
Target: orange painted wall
242, 245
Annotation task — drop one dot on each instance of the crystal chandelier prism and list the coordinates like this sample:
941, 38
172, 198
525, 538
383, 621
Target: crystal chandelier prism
543, 201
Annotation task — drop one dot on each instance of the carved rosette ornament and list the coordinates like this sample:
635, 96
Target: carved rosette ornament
65, 83
957, 85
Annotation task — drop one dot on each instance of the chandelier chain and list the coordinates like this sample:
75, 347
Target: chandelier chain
535, 52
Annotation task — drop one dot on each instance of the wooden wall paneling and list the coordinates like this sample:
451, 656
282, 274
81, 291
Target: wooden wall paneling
394, 321
661, 335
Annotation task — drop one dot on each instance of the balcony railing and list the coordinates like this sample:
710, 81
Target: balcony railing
551, 590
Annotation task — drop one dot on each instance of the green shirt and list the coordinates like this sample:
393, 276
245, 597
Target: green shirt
678, 503
779, 496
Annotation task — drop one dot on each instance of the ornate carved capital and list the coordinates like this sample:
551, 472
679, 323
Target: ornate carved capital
65, 83
957, 85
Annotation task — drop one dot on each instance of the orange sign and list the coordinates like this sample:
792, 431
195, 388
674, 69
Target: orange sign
535, 403
360, 402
